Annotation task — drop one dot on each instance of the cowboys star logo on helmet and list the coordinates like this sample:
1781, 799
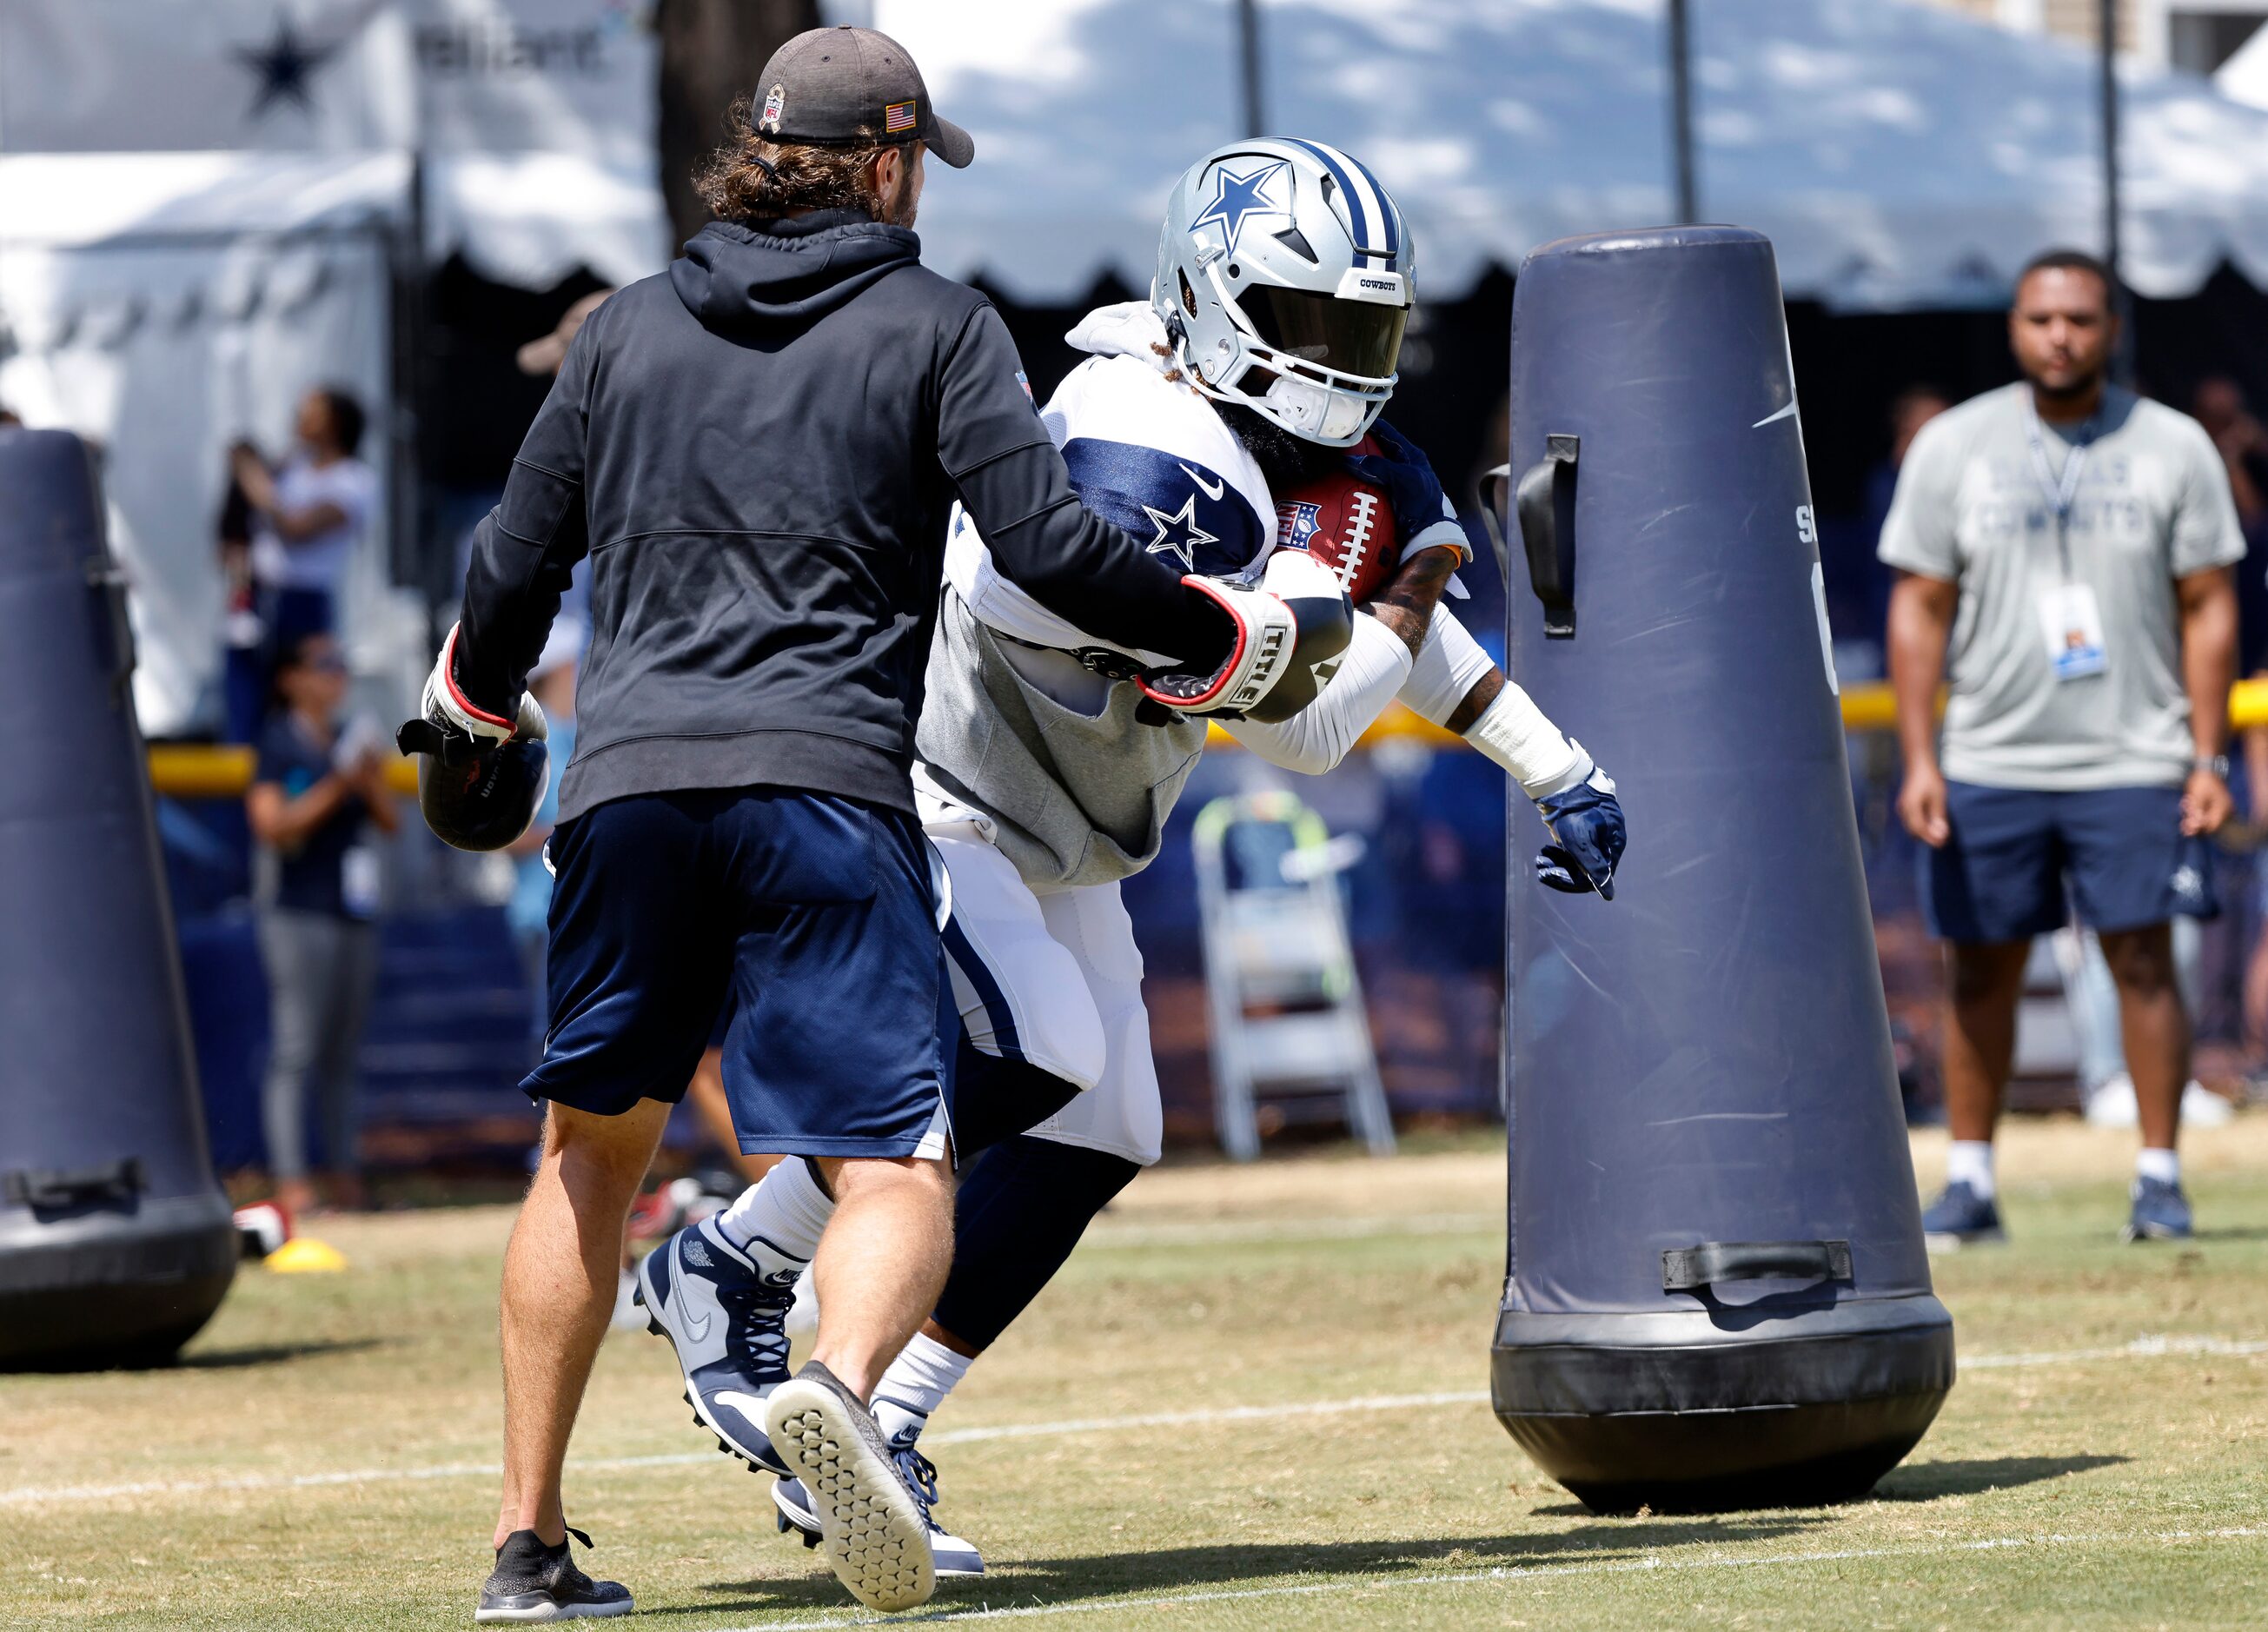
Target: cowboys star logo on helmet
1288, 290
1236, 197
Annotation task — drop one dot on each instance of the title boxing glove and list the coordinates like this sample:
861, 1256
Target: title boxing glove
1296, 618
480, 775
447, 710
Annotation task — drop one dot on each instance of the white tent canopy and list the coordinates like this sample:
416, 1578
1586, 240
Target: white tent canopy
530, 219
1896, 153
164, 305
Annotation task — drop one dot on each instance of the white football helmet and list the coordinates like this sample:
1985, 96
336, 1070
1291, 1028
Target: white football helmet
1284, 277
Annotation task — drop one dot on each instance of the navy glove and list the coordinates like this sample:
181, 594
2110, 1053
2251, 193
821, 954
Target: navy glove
1588, 822
1410, 485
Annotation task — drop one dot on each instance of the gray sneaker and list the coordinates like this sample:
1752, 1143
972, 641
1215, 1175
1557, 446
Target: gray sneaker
2161, 1212
533, 1583
873, 1529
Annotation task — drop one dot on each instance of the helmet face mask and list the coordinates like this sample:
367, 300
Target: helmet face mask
1284, 279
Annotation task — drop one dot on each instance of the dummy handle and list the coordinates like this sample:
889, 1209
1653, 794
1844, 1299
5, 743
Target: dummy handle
1546, 505
113, 1183
1688, 1268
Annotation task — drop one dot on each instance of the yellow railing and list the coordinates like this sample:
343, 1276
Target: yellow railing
204, 771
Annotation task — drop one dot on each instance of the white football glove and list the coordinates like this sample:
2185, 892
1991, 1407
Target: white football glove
447, 709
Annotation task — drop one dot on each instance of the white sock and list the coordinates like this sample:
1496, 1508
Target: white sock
1969, 1162
786, 1208
2165, 1166
925, 1372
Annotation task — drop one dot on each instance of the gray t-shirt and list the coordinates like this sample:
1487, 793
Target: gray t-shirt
2152, 506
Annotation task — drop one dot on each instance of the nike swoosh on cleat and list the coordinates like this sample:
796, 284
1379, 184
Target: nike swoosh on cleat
697, 1333
747, 1405
1212, 489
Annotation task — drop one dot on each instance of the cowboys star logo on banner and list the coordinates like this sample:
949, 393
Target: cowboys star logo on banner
1258, 191
285, 66
1296, 521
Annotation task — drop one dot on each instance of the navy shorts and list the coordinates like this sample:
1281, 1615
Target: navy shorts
2001, 875
810, 917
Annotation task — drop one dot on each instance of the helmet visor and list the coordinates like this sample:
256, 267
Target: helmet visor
1351, 336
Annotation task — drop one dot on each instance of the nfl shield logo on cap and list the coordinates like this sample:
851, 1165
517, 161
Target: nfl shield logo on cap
775, 100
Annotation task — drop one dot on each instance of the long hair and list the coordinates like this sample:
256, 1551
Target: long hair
751, 178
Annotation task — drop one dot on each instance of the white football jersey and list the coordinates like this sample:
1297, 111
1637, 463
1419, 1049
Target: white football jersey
1145, 451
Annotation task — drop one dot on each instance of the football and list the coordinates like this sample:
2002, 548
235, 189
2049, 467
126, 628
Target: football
1346, 524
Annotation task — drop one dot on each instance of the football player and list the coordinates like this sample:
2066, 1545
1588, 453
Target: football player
1047, 772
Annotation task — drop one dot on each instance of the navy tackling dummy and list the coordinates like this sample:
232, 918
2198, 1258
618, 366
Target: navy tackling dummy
1285, 280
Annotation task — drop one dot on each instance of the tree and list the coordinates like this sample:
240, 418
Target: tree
712, 51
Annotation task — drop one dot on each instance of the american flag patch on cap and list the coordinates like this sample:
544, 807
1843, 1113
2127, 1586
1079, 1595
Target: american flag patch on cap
896, 117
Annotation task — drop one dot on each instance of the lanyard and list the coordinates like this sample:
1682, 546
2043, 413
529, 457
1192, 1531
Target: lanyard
2060, 491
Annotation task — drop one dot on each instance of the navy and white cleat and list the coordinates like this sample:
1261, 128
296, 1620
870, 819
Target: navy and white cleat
724, 1312
2162, 1213
1960, 1217
954, 1555
533, 1584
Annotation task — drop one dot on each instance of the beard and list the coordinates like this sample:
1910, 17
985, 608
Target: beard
1288, 462
2077, 389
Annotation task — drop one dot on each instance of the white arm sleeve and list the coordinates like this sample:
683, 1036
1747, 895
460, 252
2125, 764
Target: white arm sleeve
1317, 737
1512, 732
1449, 665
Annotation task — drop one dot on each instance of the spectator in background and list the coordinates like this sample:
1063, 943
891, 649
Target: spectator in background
306, 519
317, 791
1909, 410
2219, 407
2070, 544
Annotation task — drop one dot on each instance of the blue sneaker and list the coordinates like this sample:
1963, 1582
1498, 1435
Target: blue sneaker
1960, 1217
724, 1312
2161, 1212
955, 1557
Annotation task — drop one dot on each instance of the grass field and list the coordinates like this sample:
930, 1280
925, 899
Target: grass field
1256, 1398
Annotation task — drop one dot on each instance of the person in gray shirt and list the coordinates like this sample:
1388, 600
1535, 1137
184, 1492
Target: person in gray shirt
2065, 550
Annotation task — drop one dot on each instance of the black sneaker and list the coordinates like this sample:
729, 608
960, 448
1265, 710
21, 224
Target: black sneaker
533, 1583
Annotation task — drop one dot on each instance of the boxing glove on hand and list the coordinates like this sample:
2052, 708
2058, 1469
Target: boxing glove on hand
1263, 651
1587, 820
450, 722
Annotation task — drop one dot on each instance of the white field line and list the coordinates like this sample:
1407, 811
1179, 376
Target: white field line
1510, 1573
2144, 1348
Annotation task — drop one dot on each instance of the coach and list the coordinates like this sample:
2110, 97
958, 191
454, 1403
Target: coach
2069, 543
757, 450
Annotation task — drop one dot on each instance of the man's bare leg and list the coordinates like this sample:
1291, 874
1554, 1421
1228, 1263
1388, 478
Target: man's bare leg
2155, 1029
1980, 1037
881, 1263
560, 1273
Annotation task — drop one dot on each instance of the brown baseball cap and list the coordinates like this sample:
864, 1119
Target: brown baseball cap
853, 87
